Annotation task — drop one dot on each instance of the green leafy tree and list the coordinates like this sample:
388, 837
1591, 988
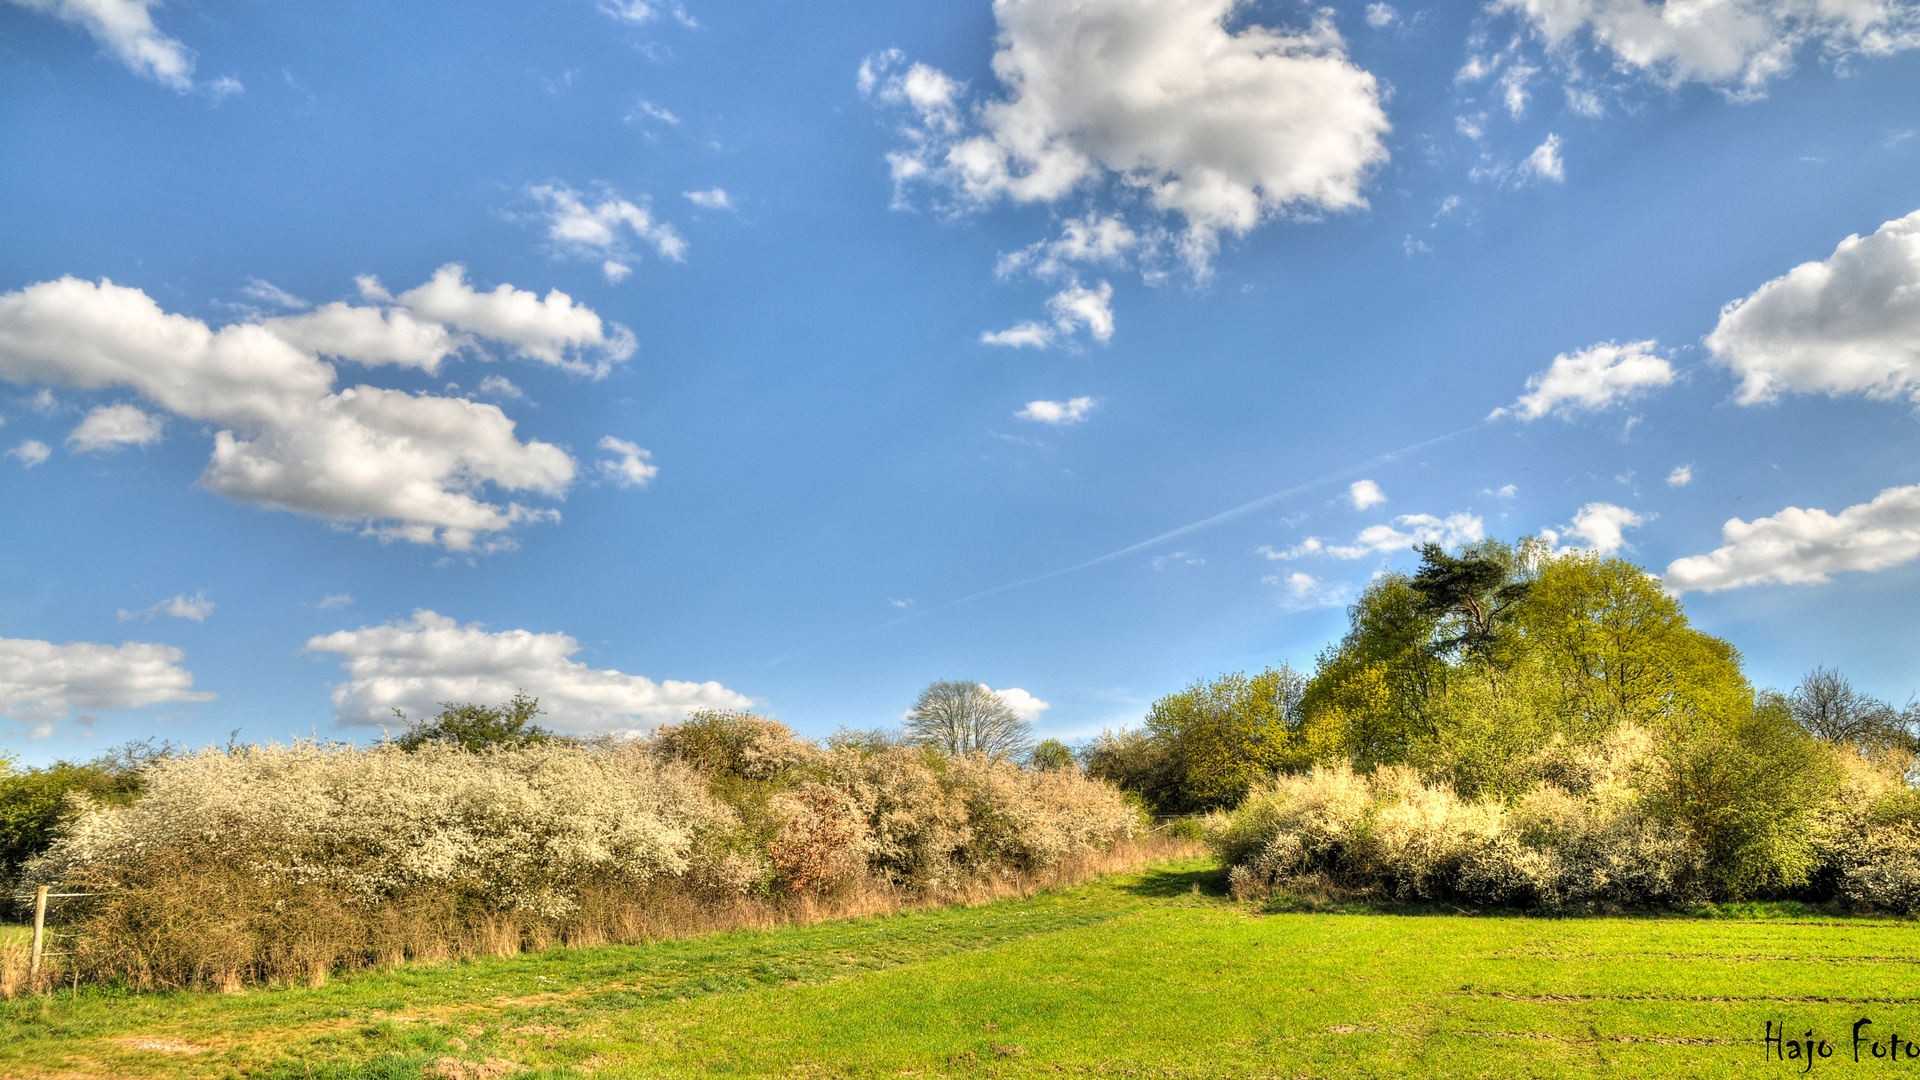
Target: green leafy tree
33, 802
1611, 646
474, 728
1371, 699
1470, 596
1226, 732
1052, 755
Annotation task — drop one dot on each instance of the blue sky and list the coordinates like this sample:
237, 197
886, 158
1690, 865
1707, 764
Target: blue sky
653, 357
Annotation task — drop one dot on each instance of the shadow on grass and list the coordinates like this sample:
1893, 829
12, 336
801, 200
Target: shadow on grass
1169, 882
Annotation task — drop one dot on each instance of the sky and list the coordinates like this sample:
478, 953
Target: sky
360, 357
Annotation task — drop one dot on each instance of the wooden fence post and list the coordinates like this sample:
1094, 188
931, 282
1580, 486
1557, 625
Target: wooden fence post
39, 932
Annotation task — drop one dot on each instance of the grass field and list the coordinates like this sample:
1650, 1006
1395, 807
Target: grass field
1150, 974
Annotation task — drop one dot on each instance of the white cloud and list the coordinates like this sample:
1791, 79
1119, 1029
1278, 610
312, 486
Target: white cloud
1073, 308
125, 28
1513, 89
42, 682
196, 607
31, 452
631, 469
1058, 413
1849, 324
1591, 379
658, 113
415, 664
1177, 558
1381, 16
110, 427
1473, 127
640, 11
710, 199
1735, 45
268, 293
1681, 476
1504, 491
337, 600
1451, 531
1365, 493
1414, 529
1806, 547
1544, 163
1225, 128
1093, 239
1601, 525
501, 387
406, 466
1024, 705
586, 228
1310, 546
1305, 592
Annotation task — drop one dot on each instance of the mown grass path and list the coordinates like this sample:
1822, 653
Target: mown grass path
1137, 975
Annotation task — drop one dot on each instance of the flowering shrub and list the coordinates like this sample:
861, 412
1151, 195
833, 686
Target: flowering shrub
1587, 838
288, 861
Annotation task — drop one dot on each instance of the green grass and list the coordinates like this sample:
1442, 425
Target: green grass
1152, 974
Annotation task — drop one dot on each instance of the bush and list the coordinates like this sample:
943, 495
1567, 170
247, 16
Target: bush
286, 862
1589, 838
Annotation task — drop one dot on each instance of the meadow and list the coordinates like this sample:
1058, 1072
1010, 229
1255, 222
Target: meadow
1156, 973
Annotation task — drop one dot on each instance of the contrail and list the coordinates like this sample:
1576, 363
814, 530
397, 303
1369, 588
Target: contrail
1172, 534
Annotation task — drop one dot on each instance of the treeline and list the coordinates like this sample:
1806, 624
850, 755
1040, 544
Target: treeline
1508, 725
477, 832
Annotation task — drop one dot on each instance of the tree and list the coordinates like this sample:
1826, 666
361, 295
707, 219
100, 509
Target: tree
476, 727
1831, 710
1226, 732
961, 717
1052, 755
1470, 596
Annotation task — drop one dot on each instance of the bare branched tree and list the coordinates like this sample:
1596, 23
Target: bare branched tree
960, 717
1828, 706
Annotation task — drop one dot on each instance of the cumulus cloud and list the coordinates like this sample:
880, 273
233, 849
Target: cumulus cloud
31, 452
1058, 413
1222, 123
125, 28
1601, 525
1848, 324
599, 227
1090, 240
1544, 163
110, 427
1412, 530
1806, 547
501, 387
1071, 309
196, 607
405, 466
631, 468
415, 664
710, 199
41, 682
1736, 45
1365, 493
1590, 380
1304, 592
1024, 705
1681, 476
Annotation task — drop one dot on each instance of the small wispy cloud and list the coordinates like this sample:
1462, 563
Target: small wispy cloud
196, 607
